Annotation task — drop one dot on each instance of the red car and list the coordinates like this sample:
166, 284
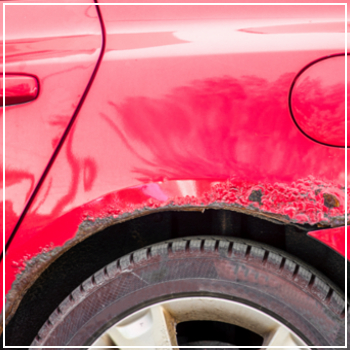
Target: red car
174, 175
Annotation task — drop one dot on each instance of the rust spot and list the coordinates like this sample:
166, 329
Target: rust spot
255, 196
306, 201
330, 201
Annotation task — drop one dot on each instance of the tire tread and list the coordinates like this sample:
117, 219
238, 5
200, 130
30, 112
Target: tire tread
271, 259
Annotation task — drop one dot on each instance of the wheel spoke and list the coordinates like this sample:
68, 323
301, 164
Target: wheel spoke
155, 328
281, 336
104, 340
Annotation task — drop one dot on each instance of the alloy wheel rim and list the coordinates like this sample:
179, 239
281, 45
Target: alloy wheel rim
155, 325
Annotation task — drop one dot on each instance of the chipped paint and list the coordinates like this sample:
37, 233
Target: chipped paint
306, 201
29, 260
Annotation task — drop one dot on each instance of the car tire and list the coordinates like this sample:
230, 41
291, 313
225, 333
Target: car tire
208, 275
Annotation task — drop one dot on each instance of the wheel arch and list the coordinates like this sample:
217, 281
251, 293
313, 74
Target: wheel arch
146, 228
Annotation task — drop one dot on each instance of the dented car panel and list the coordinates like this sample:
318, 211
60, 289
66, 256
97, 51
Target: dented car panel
184, 116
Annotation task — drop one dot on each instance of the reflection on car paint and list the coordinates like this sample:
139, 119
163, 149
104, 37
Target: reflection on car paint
181, 116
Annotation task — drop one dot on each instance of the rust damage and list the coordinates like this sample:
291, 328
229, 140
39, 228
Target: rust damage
331, 201
307, 201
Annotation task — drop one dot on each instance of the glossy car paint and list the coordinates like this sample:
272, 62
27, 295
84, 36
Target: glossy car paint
19, 89
61, 51
184, 116
322, 119
333, 237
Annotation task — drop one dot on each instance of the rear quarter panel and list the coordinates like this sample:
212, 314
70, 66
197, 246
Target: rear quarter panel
189, 110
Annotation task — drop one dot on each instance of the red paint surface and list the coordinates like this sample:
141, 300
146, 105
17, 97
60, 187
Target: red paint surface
19, 89
181, 113
60, 46
334, 238
318, 101
301, 202
330, 27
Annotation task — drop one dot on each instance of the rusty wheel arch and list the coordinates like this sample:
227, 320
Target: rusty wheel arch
134, 232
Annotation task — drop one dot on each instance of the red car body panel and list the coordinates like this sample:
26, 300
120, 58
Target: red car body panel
189, 110
62, 58
334, 238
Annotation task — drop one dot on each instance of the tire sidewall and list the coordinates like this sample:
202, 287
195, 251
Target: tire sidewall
127, 286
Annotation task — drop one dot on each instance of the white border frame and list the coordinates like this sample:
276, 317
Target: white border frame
167, 4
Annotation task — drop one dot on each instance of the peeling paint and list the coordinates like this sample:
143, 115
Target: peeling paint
330, 201
255, 196
307, 201
28, 260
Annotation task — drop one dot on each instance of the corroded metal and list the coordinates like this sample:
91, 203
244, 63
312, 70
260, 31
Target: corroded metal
307, 201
